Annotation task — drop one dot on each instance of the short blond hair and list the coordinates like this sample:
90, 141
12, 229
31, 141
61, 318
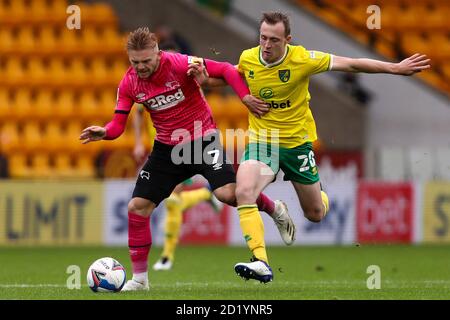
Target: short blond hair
141, 39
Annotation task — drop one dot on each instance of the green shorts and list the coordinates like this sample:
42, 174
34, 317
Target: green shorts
298, 164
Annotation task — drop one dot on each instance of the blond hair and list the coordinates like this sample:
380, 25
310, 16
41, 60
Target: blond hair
141, 39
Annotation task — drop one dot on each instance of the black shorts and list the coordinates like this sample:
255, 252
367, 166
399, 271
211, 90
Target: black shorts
169, 165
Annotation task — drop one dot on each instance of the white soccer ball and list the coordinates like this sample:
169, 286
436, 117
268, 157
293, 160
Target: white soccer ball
106, 275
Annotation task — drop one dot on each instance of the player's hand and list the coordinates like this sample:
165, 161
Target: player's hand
139, 152
255, 105
93, 133
198, 70
413, 64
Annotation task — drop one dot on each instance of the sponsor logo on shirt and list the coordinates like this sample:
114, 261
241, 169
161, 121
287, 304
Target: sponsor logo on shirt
165, 101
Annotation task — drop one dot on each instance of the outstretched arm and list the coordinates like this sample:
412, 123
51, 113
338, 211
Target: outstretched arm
226, 71
111, 131
406, 67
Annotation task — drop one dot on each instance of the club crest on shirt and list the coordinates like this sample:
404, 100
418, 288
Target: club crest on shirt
172, 85
284, 75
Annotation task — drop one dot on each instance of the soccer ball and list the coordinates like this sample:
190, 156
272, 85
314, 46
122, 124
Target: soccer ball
106, 275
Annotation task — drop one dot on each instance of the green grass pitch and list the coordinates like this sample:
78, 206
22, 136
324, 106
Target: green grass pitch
206, 273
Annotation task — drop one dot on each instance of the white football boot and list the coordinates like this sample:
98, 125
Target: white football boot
257, 270
133, 285
163, 264
284, 223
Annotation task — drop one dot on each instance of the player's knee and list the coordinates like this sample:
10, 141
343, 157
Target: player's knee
228, 198
315, 214
141, 206
245, 194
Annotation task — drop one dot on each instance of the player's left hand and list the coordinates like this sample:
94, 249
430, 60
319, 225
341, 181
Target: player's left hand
199, 72
92, 133
255, 105
415, 63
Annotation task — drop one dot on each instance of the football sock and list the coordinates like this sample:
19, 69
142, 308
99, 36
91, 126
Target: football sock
265, 204
252, 228
174, 218
192, 197
139, 241
325, 203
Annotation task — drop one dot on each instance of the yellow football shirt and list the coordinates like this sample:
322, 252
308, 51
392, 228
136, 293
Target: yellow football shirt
283, 85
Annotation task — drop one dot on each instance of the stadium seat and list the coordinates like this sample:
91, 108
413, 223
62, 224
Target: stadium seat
88, 105
57, 71
69, 42
18, 166
78, 72
43, 107
25, 40
99, 73
5, 104
9, 138
65, 104
14, 73
63, 165
47, 40
84, 166
32, 136
7, 40
37, 72
53, 137
22, 104
40, 165
91, 40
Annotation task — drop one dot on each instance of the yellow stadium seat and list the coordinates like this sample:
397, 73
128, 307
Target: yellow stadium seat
53, 137
7, 40
47, 41
112, 41
107, 104
88, 105
32, 137
18, 166
71, 131
63, 165
5, 104
9, 138
118, 69
25, 40
14, 71
40, 11
22, 104
84, 166
65, 104
90, 39
100, 14
40, 165
37, 72
69, 41
57, 11
44, 104
57, 71
78, 72
17, 12
98, 73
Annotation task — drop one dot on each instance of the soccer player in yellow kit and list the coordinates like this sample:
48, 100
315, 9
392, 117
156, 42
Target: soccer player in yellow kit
281, 135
